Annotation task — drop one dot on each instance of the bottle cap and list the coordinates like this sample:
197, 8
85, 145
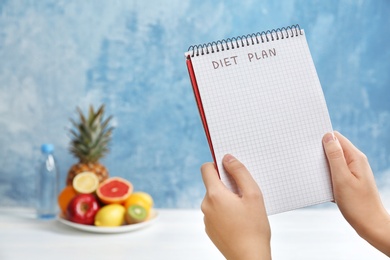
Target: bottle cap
47, 148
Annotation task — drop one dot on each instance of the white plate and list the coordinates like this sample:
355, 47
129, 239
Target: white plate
120, 229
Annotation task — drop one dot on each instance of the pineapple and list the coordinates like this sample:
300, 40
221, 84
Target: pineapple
90, 138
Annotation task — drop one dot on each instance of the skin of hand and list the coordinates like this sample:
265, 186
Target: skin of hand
237, 224
355, 191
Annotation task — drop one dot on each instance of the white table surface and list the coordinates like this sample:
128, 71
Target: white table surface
178, 234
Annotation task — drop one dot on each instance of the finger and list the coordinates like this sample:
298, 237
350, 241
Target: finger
355, 159
210, 176
334, 153
348, 148
351, 152
240, 174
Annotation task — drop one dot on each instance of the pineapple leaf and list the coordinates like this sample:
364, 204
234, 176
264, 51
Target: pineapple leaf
73, 122
73, 133
90, 136
106, 122
82, 118
100, 110
91, 115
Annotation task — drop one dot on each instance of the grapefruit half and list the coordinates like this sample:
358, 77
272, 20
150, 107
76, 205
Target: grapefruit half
114, 190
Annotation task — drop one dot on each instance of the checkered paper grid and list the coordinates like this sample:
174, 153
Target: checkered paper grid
271, 114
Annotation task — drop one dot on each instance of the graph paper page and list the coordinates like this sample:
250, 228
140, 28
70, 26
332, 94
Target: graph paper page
264, 104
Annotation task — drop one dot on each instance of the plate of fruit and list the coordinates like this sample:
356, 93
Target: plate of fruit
92, 200
109, 206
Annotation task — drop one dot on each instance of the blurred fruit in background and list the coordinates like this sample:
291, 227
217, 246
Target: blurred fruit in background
108, 204
85, 182
140, 198
91, 196
82, 209
136, 214
114, 190
90, 137
111, 215
65, 196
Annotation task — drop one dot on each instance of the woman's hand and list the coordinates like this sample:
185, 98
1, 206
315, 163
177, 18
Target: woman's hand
355, 191
237, 225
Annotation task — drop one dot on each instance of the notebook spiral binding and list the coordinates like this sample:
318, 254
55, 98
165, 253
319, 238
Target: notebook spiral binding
245, 40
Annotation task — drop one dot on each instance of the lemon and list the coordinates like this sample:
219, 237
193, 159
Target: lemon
111, 215
85, 182
140, 198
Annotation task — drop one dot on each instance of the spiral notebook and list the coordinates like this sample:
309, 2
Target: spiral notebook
260, 99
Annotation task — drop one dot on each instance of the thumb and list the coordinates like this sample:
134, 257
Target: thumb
334, 153
240, 174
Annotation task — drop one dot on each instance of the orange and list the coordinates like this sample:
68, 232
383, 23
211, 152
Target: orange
114, 190
140, 198
65, 196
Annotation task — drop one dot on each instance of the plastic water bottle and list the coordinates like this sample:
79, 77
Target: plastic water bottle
47, 184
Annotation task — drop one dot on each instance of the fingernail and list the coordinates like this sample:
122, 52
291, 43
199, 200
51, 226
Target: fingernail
229, 158
329, 137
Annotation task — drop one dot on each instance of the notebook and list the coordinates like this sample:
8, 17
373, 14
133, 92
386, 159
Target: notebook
260, 99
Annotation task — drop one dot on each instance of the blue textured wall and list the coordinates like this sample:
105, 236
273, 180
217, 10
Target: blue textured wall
56, 55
